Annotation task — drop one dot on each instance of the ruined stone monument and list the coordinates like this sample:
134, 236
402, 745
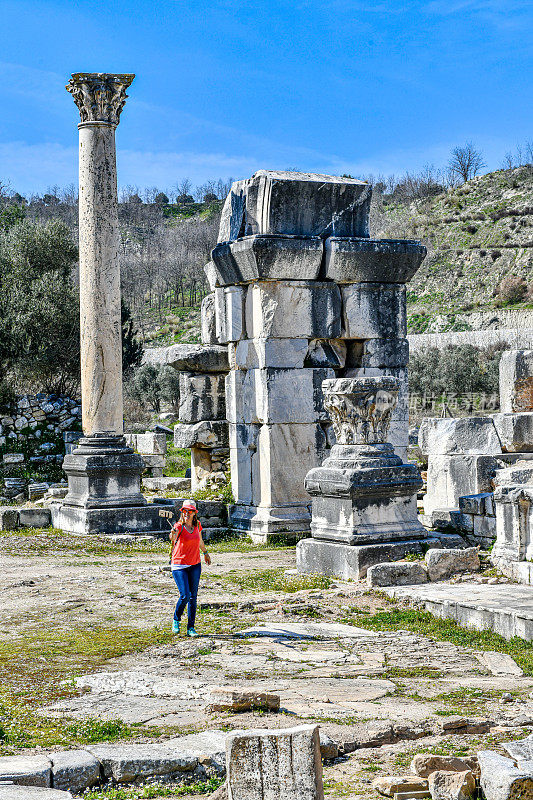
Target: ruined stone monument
470, 458
301, 295
104, 474
364, 495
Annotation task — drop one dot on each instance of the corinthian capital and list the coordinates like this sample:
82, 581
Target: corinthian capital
100, 96
361, 408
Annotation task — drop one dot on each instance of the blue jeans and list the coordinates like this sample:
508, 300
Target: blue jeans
187, 581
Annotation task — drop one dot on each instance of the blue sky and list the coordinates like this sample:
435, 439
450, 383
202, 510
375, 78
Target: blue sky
225, 87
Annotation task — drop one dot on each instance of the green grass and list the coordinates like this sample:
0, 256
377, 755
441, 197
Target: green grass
423, 623
36, 668
237, 544
52, 541
155, 790
274, 580
178, 460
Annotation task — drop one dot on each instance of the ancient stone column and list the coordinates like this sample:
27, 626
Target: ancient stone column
100, 98
364, 495
104, 475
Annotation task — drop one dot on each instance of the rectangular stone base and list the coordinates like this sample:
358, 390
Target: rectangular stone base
132, 519
351, 562
263, 520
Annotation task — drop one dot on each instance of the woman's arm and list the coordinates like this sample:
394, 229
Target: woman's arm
203, 548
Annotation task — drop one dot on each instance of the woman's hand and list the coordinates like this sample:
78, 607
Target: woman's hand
207, 558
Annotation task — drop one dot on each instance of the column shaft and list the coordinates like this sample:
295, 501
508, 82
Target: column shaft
100, 313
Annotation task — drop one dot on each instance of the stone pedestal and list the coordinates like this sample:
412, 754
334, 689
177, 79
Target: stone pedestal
364, 495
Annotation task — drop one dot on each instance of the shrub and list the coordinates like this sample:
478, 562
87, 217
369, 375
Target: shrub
512, 289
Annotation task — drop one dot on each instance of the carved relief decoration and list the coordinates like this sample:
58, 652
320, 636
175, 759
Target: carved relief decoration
361, 408
100, 96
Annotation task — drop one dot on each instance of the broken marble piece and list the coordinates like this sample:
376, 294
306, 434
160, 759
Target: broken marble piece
274, 764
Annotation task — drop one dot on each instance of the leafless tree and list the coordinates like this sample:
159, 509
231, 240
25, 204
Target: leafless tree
465, 162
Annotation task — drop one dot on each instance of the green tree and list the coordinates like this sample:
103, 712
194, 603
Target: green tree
145, 386
39, 309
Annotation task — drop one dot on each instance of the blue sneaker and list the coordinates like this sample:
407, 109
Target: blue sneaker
175, 626
191, 632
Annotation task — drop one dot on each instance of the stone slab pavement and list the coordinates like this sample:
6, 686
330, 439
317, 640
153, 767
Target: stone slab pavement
506, 609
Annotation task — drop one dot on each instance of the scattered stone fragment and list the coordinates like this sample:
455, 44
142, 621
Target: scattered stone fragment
75, 770
442, 564
446, 785
412, 795
499, 663
9, 518
424, 764
390, 785
26, 770
35, 517
220, 794
275, 764
399, 573
502, 780
239, 700
12, 792
462, 725
328, 748
521, 750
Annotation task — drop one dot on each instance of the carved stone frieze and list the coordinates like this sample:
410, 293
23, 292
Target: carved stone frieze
100, 96
361, 408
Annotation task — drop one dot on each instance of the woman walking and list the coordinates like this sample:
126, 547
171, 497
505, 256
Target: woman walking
186, 543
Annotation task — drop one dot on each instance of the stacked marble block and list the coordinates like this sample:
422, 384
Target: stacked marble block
202, 423
470, 457
301, 295
152, 447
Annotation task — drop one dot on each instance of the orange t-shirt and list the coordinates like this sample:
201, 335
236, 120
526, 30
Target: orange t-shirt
186, 550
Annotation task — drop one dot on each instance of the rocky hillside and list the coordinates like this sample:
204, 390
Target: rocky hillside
477, 235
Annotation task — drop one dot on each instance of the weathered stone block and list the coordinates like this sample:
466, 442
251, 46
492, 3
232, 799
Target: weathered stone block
424, 764
128, 763
269, 765
516, 381
385, 353
148, 443
449, 476
239, 700
293, 309
479, 504
208, 319
26, 770
352, 562
9, 518
285, 453
296, 203
330, 353
268, 257
35, 517
270, 396
464, 435
515, 431
207, 433
351, 260
374, 311
442, 564
76, 770
263, 353
230, 306
202, 397
445, 785
399, 573
501, 780
190, 357
391, 785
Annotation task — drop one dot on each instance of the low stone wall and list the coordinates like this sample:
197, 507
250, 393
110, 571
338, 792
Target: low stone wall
34, 433
516, 338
